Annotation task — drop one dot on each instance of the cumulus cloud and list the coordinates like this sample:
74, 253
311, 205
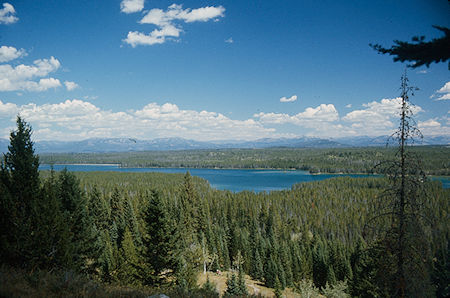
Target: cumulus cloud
444, 91
30, 77
288, 99
309, 118
77, 119
10, 53
165, 20
70, 85
130, 6
377, 118
432, 127
8, 14
8, 109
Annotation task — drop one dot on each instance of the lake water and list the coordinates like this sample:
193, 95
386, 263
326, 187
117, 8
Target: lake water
227, 179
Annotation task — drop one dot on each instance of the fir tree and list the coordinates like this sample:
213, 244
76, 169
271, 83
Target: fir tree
20, 181
241, 287
83, 236
232, 286
160, 243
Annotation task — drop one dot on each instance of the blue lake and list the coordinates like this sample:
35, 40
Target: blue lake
228, 179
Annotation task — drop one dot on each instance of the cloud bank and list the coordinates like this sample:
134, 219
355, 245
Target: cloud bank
77, 119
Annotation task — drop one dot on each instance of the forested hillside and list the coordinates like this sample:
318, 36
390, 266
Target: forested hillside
338, 160
158, 231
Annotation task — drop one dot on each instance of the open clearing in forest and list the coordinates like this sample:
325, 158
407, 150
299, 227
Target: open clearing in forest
253, 287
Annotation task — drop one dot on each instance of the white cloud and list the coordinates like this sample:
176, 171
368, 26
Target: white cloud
445, 91
8, 109
309, 118
290, 99
78, 119
30, 77
10, 53
47, 83
7, 14
432, 127
349, 105
229, 40
130, 6
429, 123
71, 85
155, 37
378, 118
165, 21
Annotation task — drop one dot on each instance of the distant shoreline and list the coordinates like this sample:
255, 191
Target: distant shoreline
82, 164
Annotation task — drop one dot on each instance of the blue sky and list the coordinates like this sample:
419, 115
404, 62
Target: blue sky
214, 70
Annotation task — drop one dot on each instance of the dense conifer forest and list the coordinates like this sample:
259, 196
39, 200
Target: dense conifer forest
154, 232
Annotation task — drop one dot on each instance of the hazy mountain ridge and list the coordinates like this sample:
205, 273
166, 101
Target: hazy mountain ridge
130, 144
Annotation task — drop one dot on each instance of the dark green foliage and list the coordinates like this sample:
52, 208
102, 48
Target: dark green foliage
20, 167
232, 286
278, 288
20, 196
160, 243
82, 236
419, 51
241, 287
209, 289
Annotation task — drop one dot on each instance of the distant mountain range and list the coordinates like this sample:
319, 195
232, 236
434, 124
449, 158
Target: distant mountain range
130, 144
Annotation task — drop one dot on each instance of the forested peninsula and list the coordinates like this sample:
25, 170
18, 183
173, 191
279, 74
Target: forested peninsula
315, 160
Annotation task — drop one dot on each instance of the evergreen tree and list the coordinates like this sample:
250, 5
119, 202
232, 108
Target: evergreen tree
160, 243
232, 286
20, 181
83, 250
277, 288
127, 271
98, 209
406, 239
241, 287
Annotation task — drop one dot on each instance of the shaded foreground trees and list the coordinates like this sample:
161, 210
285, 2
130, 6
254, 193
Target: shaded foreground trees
42, 225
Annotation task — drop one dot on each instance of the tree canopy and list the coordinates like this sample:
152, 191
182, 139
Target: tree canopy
419, 51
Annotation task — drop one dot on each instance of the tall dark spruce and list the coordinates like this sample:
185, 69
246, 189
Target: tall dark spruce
20, 185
